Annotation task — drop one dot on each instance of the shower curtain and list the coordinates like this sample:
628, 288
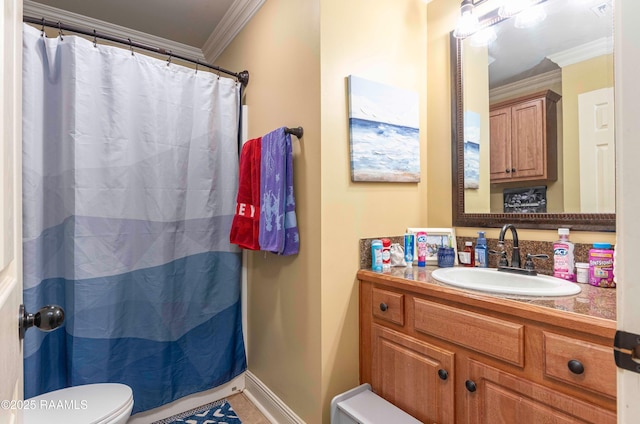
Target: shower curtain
129, 180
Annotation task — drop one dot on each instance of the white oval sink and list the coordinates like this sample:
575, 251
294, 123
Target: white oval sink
492, 280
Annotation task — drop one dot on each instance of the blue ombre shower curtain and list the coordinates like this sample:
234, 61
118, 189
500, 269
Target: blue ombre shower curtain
129, 181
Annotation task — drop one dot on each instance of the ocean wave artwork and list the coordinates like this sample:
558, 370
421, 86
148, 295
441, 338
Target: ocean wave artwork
384, 132
471, 165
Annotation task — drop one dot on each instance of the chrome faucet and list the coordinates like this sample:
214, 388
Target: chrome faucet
515, 254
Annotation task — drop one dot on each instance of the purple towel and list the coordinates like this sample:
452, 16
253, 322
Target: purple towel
272, 191
292, 237
278, 227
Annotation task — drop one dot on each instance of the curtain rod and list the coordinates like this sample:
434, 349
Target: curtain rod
243, 76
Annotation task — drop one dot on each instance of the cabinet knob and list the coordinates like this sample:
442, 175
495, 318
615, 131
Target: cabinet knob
470, 385
507, 170
443, 374
575, 366
383, 307
513, 169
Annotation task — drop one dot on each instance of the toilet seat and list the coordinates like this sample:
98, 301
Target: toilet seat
102, 403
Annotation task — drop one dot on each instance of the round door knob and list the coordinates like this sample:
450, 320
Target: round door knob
48, 318
575, 366
383, 307
443, 374
470, 385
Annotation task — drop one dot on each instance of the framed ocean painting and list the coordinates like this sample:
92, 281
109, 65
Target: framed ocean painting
471, 150
384, 132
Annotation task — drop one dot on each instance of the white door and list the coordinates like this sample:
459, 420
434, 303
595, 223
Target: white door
627, 64
10, 210
597, 151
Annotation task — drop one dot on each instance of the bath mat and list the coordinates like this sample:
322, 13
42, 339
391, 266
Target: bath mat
219, 412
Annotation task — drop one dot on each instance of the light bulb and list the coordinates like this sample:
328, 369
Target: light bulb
513, 7
467, 22
531, 17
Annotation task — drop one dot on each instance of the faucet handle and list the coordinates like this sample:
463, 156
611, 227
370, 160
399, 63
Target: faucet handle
528, 263
503, 257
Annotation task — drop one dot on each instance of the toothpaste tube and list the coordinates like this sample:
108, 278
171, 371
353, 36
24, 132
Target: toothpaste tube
408, 248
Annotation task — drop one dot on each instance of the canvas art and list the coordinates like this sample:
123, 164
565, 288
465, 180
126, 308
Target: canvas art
384, 132
471, 150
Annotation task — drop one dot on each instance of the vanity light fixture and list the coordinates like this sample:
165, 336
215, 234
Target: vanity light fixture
531, 16
511, 8
468, 21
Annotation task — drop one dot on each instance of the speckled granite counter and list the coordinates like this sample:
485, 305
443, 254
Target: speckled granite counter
591, 301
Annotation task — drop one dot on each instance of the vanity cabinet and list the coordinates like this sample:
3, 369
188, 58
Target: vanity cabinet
444, 356
523, 138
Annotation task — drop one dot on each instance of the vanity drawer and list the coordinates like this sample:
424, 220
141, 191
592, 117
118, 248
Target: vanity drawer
594, 370
495, 337
388, 305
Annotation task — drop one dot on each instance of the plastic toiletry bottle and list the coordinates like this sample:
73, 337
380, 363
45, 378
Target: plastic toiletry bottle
376, 255
386, 254
563, 260
421, 247
601, 265
408, 249
467, 256
481, 260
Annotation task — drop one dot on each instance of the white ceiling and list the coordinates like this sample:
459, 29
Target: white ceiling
189, 22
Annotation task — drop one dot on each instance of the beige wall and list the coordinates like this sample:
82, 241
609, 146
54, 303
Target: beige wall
383, 41
303, 311
281, 49
579, 78
475, 69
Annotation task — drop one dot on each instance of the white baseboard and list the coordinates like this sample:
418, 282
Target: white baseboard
190, 402
268, 403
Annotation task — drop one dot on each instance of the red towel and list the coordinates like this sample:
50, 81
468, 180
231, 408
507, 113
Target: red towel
245, 227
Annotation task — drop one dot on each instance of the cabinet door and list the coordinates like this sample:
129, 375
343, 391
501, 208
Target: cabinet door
501, 398
527, 140
500, 144
413, 375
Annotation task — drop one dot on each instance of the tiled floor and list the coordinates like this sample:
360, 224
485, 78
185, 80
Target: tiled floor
246, 410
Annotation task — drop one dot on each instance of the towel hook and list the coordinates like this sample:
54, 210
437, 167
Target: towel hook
60, 31
95, 39
42, 30
130, 46
169, 59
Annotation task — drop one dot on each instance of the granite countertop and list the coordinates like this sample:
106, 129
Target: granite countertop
591, 301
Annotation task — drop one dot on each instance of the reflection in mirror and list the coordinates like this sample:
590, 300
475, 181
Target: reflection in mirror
535, 116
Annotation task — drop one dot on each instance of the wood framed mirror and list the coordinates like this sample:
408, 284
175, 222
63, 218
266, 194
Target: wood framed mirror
568, 212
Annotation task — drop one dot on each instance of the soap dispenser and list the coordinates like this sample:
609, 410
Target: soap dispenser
481, 251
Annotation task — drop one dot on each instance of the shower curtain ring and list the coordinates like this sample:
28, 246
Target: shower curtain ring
169, 59
42, 30
95, 39
218, 73
197, 63
60, 31
130, 46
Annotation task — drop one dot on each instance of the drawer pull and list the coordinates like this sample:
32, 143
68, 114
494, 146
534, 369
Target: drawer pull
575, 366
383, 307
443, 374
470, 385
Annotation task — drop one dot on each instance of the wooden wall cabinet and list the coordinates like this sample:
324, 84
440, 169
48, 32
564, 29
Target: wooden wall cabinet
523, 138
445, 362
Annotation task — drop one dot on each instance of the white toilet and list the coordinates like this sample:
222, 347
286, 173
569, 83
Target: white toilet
103, 403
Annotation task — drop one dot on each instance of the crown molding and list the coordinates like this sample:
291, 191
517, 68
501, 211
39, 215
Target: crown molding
240, 12
583, 52
525, 86
39, 10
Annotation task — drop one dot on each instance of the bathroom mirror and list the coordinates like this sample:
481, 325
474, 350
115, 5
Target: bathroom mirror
564, 58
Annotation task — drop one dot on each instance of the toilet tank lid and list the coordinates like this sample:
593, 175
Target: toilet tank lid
85, 404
